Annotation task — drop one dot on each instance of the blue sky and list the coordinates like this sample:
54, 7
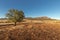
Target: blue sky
32, 8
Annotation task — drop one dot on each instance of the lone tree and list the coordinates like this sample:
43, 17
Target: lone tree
15, 15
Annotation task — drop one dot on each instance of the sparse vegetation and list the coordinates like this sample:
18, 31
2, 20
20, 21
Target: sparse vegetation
31, 31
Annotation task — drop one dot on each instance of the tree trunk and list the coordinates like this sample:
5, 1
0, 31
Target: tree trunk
15, 24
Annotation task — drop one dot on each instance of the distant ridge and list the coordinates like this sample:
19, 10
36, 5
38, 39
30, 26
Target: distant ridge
41, 18
3, 18
36, 18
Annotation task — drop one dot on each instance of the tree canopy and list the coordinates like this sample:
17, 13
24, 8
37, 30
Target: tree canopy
15, 15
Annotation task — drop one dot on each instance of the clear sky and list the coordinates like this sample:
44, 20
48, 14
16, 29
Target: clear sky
32, 8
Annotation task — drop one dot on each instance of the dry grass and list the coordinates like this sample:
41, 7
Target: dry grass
31, 31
